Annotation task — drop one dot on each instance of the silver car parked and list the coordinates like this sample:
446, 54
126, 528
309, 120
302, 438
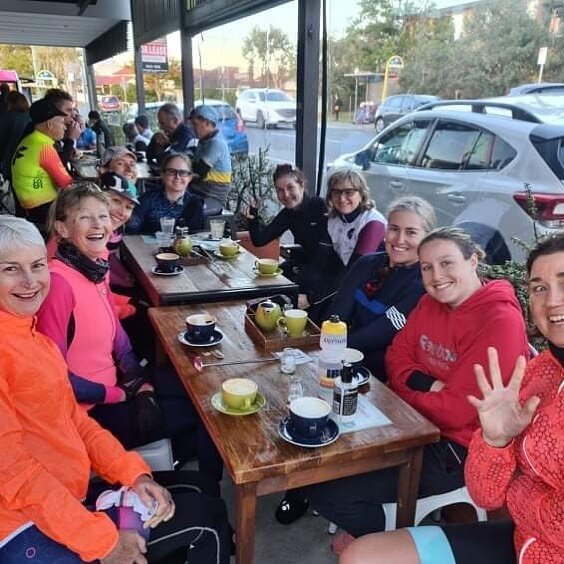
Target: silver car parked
472, 167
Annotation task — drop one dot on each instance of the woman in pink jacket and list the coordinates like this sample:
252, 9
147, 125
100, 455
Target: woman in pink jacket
516, 457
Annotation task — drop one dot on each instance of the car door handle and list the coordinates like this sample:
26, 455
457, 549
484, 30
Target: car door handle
456, 198
396, 184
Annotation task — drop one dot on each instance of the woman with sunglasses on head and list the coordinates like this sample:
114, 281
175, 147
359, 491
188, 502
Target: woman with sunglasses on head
516, 457
171, 200
382, 288
430, 365
315, 267
356, 228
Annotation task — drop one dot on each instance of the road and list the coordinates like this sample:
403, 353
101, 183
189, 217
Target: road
340, 138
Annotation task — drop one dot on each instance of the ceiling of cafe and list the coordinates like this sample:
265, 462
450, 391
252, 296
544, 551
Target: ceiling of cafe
36, 22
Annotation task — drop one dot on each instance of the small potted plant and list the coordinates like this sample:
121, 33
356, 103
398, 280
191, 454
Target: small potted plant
252, 182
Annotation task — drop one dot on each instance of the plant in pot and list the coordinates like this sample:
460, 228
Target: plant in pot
252, 182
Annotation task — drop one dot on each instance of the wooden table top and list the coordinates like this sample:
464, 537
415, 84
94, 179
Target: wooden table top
250, 445
218, 279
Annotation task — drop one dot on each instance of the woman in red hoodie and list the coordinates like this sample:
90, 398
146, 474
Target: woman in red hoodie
430, 365
517, 457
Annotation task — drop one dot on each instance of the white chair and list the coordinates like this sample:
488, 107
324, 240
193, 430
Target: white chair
426, 505
157, 455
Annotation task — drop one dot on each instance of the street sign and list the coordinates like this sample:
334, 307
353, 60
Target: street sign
154, 56
543, 52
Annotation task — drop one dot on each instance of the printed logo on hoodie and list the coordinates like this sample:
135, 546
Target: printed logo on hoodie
439, 355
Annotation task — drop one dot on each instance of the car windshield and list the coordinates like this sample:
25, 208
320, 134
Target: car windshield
277, 96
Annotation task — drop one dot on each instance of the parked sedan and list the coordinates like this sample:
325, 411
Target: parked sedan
472, 167
398, 106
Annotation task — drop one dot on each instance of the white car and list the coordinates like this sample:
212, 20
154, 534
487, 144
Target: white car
267, 107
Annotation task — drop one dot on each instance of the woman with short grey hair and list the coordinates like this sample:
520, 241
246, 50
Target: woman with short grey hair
356, 228
50, 446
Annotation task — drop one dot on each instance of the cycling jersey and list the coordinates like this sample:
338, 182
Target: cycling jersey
37, 171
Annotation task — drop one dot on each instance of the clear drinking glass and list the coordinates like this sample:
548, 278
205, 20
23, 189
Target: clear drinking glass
295, 389
217, 226
167, 225
288, 361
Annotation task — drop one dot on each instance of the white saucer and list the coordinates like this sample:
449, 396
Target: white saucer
215, 339
155, 270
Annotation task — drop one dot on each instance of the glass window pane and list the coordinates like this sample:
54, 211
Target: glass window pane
449, 146
402, 144
502, 154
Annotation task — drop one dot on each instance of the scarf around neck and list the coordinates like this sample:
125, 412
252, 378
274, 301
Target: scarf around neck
95, 271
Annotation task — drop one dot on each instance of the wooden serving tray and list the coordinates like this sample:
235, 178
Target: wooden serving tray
277, 339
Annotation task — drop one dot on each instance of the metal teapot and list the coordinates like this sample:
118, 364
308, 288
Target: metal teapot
267, 314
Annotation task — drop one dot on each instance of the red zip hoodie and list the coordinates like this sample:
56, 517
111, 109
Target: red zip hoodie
445, 343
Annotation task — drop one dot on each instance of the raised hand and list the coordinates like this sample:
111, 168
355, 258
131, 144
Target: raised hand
129, 550
501, 415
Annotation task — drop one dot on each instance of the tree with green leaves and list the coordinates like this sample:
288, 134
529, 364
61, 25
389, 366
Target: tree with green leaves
18, 58
271, 51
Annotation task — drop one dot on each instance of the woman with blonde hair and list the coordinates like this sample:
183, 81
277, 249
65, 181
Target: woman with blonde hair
355, 226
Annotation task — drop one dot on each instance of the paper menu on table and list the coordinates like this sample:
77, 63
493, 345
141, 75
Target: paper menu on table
367, 416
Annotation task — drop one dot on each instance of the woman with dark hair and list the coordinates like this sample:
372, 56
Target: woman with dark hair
12, 126
315, 267
430, 365
515, 458
171, 199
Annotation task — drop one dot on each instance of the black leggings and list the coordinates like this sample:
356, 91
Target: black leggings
181, 424
486, 543
199, 532
355, 503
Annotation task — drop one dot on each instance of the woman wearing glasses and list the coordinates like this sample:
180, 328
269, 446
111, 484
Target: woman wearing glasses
171, 200
356, 228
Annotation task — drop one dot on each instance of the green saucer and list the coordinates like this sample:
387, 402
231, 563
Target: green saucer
217, 402
272, 275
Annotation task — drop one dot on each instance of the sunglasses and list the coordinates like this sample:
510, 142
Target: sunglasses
347, 192
180, 172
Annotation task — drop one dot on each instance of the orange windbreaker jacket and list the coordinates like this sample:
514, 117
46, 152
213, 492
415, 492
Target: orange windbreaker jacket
49, 446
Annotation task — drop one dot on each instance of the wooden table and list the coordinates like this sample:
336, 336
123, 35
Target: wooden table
216, 280
257, 459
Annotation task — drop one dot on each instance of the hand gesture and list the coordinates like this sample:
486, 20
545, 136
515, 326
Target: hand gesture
252, 209
501, 415
129, 550
152, 494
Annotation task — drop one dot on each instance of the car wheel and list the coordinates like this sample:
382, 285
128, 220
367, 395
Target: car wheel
261, 123
379, 125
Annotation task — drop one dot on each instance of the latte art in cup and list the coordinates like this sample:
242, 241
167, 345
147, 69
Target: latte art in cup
239, 386
239, 393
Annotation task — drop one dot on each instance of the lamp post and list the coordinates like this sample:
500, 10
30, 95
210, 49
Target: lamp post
396, 62
355, 91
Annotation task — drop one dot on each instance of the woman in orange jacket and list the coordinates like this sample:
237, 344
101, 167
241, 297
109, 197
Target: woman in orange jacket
50, 446
516, 457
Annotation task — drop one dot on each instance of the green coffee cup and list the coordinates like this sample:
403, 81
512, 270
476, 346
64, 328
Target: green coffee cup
239, 393
229, 249
267, 266
295, 321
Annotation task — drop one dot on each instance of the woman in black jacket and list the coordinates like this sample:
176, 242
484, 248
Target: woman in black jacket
316, 268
